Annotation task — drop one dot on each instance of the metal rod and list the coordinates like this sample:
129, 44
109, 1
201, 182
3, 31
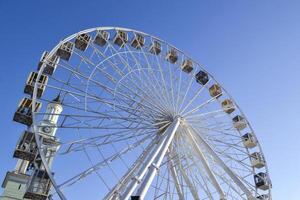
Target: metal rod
141, 173
174, 175
232, 175
205, 164
153, 168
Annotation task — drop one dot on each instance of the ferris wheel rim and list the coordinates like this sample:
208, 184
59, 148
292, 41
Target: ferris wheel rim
34, 97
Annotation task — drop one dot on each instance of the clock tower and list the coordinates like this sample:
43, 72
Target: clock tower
21, 183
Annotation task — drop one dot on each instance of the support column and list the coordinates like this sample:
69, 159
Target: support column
167, 138
232, 175
143, 189
189, 183
114, 193
205, 164
174, 175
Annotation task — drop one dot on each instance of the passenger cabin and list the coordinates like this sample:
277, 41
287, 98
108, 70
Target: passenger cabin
172, 56
82, 41
228, 106
138, 41
257, 160
202, 77
215, 91
187, 66
23, 114
155, 48
39, 186
262, 181
262, 197
239, 122
26, 148
101, 38
121, 38
30, 83
65, 50
249, 140
51, 63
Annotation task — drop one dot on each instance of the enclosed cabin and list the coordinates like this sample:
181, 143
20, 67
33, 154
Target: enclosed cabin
51, 63
65, 50
215, 91
38, 186
262, 197
121, 38
101, 38
228, 106
239, 122
138, 41
155, 48
172, 56
202, 77
257, 160
26, 148
82, 41
23, 113
249, 140
187, 66
262, 181
30, 83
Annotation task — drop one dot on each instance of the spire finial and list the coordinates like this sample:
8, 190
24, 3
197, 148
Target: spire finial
57, 99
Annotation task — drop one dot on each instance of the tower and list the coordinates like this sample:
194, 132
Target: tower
29, 180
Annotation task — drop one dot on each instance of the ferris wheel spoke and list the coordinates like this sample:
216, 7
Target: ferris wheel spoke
173, 172
172, 99
162, 77
230, 186
91, 142
96, 98
224, 166
197, 108
192, 140
150, 91
71, 70
188, 182
216, 132
157, 85
204, 186
152, 103
120, 187
188, 88
97, 166
228, 146
199, 116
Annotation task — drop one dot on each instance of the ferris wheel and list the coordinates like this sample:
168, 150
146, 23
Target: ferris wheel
118, 114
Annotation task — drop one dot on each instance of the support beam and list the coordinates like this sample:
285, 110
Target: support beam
155, 162
188, 182
174, 175
211, 175
204, 187
232, 175
115, 192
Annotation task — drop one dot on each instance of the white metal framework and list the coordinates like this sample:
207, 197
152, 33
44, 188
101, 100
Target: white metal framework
136, 118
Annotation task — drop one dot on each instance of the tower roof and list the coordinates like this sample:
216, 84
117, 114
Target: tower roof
57, 99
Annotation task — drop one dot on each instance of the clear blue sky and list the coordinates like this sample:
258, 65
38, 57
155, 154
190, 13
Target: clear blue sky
251, 46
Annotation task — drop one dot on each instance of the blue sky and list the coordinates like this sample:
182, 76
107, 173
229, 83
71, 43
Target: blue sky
252, 47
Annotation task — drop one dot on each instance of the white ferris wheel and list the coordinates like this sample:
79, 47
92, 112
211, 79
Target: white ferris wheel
128, 116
